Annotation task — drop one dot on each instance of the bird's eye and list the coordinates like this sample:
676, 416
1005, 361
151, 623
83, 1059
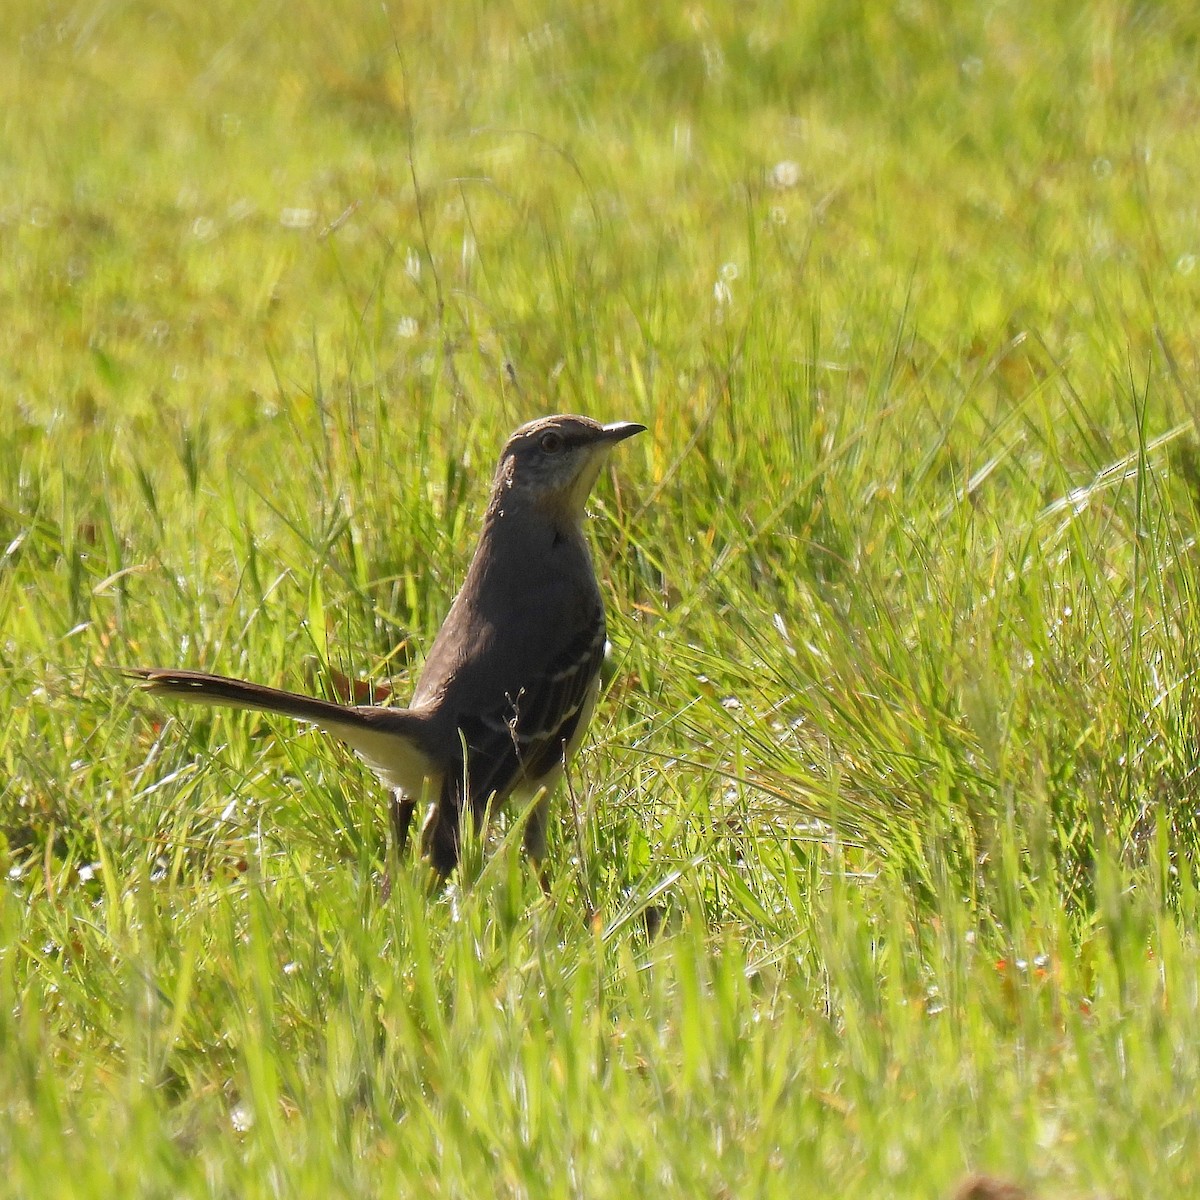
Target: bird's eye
551, 443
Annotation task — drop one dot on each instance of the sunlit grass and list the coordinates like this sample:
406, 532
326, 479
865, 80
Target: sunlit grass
899, 740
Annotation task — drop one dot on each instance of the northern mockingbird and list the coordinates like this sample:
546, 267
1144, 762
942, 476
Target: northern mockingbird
511, 679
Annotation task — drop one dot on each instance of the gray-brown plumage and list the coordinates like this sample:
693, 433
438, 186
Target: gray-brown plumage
514, 671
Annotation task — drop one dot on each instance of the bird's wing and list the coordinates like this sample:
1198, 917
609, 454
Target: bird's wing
522, 738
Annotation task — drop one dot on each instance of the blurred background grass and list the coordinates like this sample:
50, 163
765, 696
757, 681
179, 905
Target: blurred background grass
900, 732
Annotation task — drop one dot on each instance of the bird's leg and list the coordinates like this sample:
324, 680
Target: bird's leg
401, 810
439, 847
536, 825
440, 839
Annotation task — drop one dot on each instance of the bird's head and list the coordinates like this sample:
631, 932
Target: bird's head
553, 462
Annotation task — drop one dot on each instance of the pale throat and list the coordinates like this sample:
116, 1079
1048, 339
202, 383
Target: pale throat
575, 501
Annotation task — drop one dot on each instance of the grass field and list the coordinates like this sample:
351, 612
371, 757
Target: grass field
901, 728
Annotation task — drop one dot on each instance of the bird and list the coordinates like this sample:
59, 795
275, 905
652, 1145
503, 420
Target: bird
511, 680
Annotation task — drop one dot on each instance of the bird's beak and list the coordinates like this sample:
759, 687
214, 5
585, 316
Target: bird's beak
618, 431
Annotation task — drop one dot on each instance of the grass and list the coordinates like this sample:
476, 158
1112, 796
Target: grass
900, 734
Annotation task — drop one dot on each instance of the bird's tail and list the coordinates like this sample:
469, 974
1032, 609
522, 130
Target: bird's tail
392, 741
219, 690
